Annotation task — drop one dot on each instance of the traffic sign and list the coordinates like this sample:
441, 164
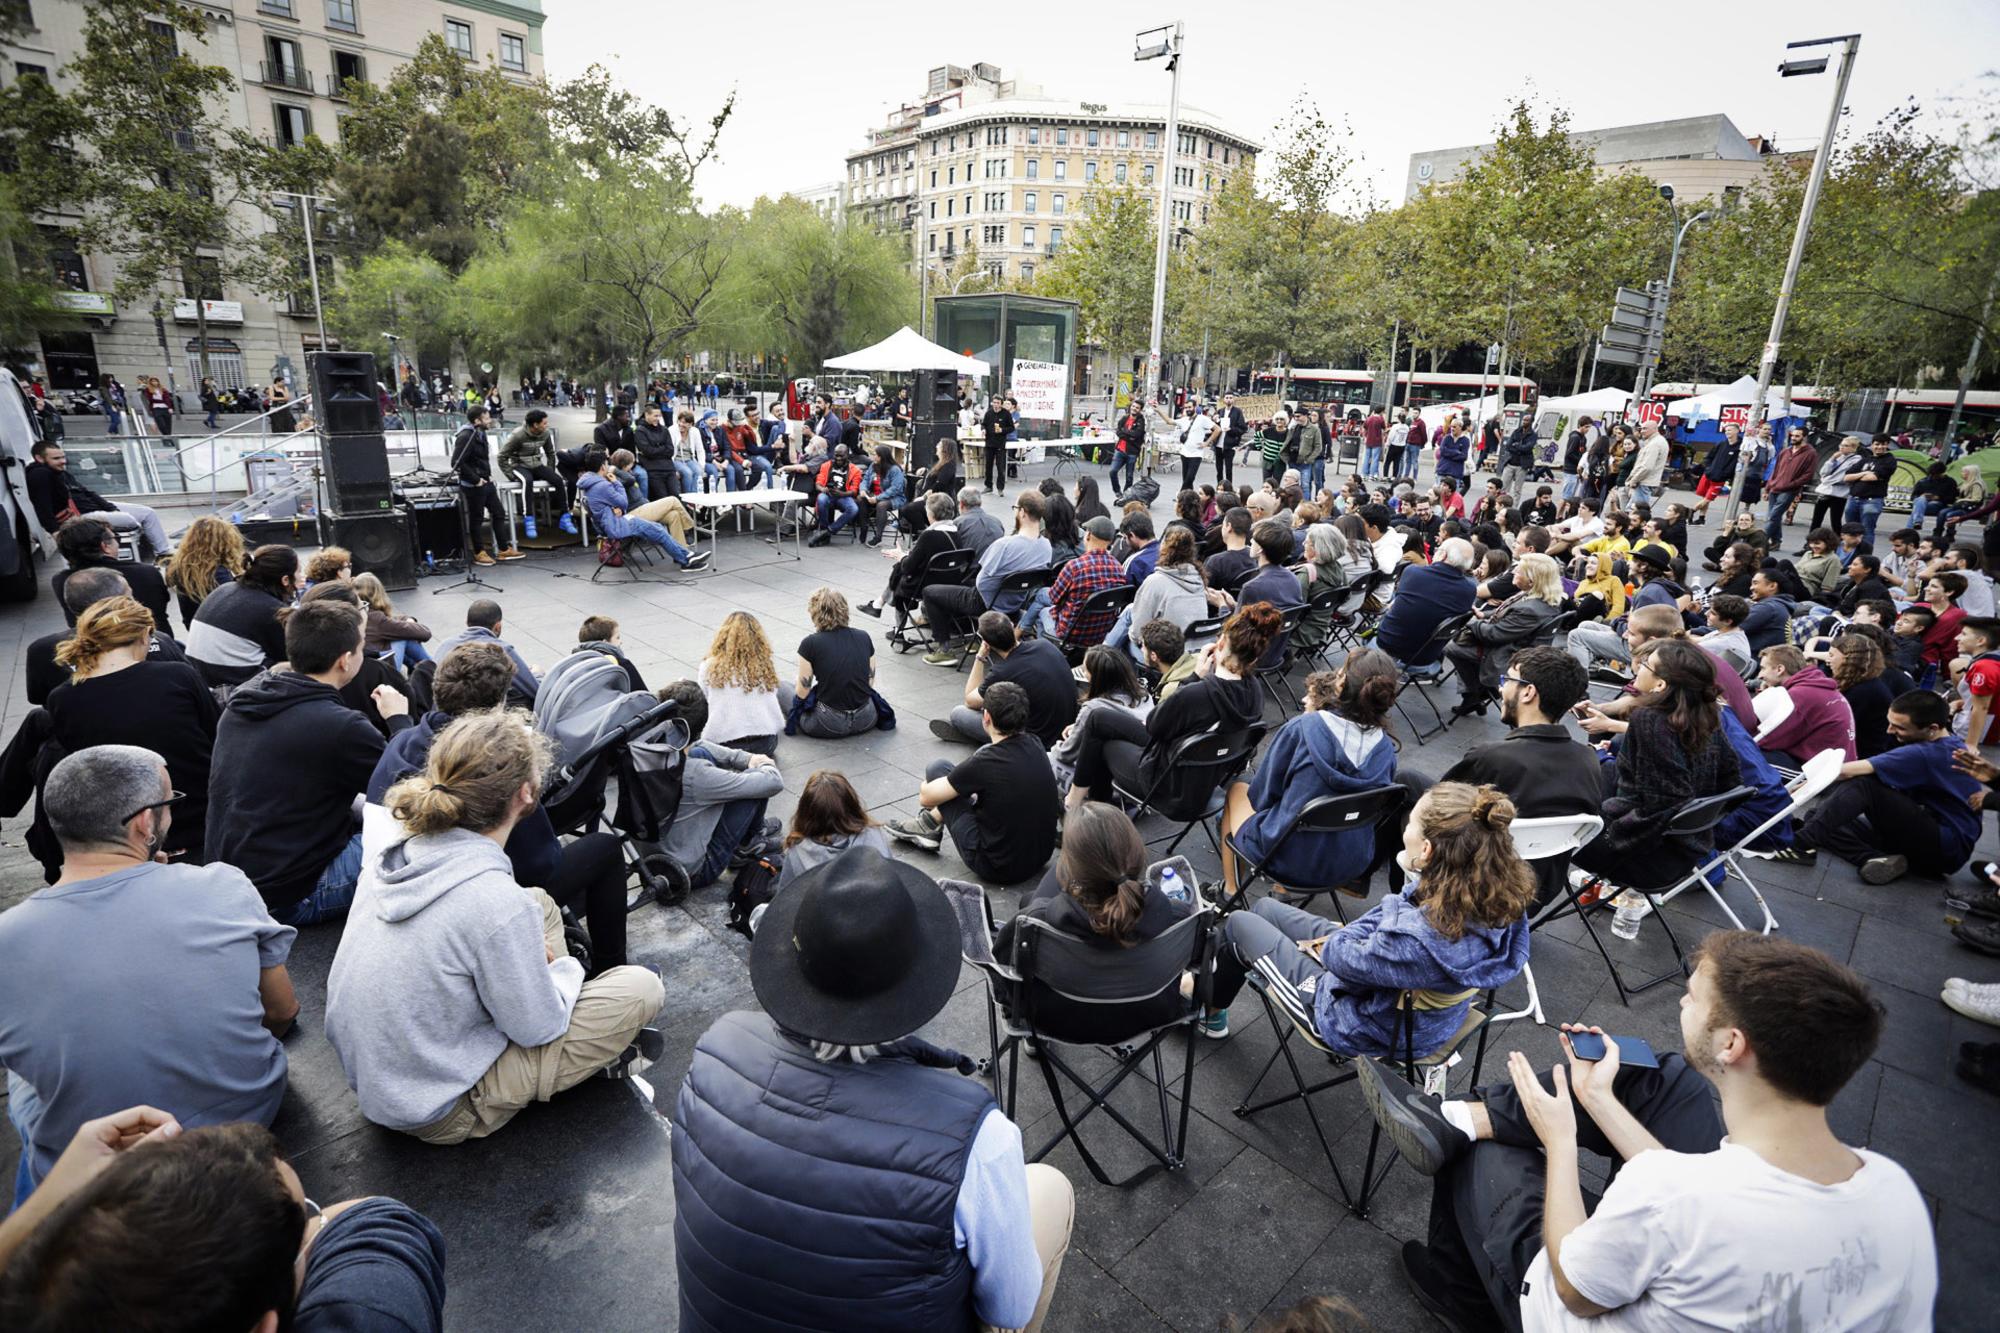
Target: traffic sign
1629, 319
1637, 302
1619, 356
1624, 339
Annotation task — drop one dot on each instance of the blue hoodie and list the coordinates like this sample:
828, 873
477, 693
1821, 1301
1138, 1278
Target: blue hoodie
1313, 755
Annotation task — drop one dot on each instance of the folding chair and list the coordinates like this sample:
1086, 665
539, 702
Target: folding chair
1290, 1015
1324, 814
1821, 771
1700, 815
1538, 840
1105, 602
1329, 600
1273, 676
1352, 622
632, 555
1048, 963
1179, 790
1439, 638
946, 567
1200, 633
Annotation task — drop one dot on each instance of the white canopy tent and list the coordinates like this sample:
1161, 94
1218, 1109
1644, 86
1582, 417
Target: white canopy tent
1596, 403
1708, 406
1471, 411
906, 351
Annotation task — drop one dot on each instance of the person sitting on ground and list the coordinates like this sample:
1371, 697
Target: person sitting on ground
89, 543
1427, 596
1056, 612
849, 963
1456, 928
906, 576
1695, 1229
1907, 808
1167, 656
1583, 526
585, 874
1870, 684
1975, 680
739, 678
829, 819
1819, 569
1863, 583
720, 823
375, 672
401, 638
211, 553
329, 564
1941, 594
1480, 653
1725, 638
1339, 750
1768, 617
950, 609
442, 930
222, 1201
1970, 562
1036, 665
484, 624
601, 635
1229, 568
289, 759
134, 981
606, 500
834, 695
39, 667
237, 631
1000, 806
1818, 717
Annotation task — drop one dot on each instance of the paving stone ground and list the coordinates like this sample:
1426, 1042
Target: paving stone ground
565, 1219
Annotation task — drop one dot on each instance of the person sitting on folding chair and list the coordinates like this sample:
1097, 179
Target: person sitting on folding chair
1336, 750
1482, 650
1460, 926
1426, 597
605, 499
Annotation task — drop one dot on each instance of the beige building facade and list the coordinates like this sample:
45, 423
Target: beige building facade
1702, 157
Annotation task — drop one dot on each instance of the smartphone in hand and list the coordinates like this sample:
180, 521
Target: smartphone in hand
1631, 1050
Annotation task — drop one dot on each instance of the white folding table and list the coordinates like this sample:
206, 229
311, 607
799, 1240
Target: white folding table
713, 503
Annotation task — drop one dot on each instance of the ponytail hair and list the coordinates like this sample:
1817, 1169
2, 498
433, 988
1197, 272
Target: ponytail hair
1102, 864
1368, 683
115, 622
1249, 632
475, 767
1474, 875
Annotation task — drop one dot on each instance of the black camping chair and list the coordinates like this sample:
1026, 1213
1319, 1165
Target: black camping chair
1324, 814
632, 557
1191, 785
1050, 964
946, 567
1101, 607
1654, 875
1433, 648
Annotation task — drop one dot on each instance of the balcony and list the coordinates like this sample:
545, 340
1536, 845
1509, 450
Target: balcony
284, 76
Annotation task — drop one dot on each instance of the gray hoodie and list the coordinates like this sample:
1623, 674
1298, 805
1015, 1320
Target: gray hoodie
442, 963
809, 854
1175, 592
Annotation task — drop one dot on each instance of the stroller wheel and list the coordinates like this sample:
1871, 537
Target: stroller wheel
661, 879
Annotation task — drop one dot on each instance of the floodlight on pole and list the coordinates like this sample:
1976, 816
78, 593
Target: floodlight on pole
1154, 44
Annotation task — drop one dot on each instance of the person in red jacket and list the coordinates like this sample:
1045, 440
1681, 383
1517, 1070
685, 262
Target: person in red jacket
1790, 475
839, 481
1820, 718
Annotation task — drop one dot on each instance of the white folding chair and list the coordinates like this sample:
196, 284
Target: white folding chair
1821, 771
1537, 840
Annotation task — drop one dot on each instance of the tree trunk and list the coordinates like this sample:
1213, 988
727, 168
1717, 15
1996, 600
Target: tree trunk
1576, 380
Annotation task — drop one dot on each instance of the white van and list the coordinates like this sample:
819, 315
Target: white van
23, 539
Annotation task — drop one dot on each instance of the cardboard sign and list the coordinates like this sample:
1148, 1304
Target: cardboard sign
1039, 387
1735, 414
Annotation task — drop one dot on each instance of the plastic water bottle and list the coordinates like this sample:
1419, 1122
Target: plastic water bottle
1631, 908
1170, 884
430, 562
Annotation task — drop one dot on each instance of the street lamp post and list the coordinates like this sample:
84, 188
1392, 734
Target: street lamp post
306, 201
1681, 229
1768, 364
1152, 45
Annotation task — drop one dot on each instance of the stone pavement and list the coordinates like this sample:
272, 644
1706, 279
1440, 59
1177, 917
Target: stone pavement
565, 1218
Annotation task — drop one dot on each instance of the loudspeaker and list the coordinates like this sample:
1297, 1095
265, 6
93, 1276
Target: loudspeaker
438, 529
924, 437
345, 398
381, 544
357, 473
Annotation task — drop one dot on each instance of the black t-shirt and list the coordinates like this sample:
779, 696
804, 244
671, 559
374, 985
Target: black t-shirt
839, 659
998, 423
1229, 570
1883, 469
44, 673
1016, 807
160, 705
1038, 667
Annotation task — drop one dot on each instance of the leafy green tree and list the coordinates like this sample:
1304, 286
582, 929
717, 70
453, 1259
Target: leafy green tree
808, 288
403, 291
1105, 265
27, 286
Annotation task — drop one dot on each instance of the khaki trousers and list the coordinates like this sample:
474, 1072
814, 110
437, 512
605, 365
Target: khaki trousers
612, 1008
1051, 1214
670, 514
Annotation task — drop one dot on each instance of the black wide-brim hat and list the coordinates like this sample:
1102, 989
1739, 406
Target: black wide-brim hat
857, 952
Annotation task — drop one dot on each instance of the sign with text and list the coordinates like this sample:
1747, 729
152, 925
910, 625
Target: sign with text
1039, 387
218, 312
1735, 414
1655, 412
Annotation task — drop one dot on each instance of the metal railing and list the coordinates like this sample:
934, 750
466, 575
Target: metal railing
284, 76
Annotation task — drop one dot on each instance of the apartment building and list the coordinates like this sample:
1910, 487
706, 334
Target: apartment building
1702, 157
294, 62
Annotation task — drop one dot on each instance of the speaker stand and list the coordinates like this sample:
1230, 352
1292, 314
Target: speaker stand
466, 547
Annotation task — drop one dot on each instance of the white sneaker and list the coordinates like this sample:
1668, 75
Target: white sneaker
1975, 1001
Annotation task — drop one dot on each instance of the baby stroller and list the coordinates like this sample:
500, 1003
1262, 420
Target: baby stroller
601, 729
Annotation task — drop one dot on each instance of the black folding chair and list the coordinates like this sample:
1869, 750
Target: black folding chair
632, 556
1328, 601
1192, 784
1323, 814
1049, 964
1273, 675
1291, 1016
1433, 648
1655, 874
1100, 608
1200, 633
946, 567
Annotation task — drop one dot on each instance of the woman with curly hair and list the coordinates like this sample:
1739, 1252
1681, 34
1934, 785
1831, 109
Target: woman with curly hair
330, 564
211, 552
739, 677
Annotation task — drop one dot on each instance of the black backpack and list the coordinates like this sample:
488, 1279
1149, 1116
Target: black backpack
1145, 489
755, 885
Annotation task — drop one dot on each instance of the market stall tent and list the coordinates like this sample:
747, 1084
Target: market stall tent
906, 351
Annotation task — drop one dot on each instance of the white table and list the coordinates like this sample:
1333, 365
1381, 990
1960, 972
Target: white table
713, 503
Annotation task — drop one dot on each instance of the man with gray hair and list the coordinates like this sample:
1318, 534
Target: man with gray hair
82, 590
1427, 596
976, 528
131, 980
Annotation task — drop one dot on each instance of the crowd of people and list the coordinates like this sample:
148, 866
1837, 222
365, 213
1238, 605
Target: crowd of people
306, 756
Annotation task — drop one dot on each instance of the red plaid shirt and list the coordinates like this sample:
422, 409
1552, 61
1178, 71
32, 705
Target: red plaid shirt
1091, 572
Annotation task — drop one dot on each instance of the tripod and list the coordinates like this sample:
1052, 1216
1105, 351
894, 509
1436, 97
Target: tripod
467, 544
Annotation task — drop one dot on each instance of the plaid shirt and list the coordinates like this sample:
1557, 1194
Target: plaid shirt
1091, 572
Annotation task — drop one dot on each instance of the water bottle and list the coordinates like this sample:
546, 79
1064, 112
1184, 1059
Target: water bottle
430, 562
1170, 884
1631, 908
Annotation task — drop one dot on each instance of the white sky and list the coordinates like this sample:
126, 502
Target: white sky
813, 78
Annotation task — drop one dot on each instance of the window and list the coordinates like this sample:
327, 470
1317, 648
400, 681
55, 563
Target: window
340, 16
1056, 204
996, 168
23, 70
283, 65
294, 124
513, 52
65, 260
968, 205
1146, 173
1090, 138
934, 148
933, 241
348, 67
1090, 171
933, 178
996, 201
996, 134
996, 270
1124, 138
993, 235
1152, 138
1062, 136
1062, 169
1028, 235
1028, 202
951, 175
1034, 134
968, 236
1118, 173
1225, 156
1027, 272
933, 210
1209, 145
1184, 143
205, 283
1055, 238
282, 8
1207, 181
458, 36
165, 44
1034, 168
948, 206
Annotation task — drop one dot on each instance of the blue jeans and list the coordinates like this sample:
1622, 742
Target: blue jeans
1571, 485
406, 653
1411, 456
1774, 517
334, 893
1036, 614
739, 819
845, 507
659, 536
644, 485
1312, 476
1918, 508
689, 472
714, 471
1865, 512
755, 469
1127, 463
1642, 496
1371, 461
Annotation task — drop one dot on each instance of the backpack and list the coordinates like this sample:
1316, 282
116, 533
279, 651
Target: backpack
610, 553
755, 885
1145, 489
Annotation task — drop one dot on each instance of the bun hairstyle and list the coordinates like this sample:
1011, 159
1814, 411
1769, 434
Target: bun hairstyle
1368, 683
1474, 875
115, 622
475, 767
1249, 632
1101, 867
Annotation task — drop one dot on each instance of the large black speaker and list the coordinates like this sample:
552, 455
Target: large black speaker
936, 397
345, 397
924, 437
382, 544
357, 473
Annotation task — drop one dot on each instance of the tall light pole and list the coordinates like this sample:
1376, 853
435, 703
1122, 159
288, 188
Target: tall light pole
1767, 366
1681, 229
1152, 45
306, 201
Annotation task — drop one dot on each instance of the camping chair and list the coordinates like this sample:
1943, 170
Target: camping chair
1048, 963
1178, 789
946, 567
1538, 840
1291, 1016
1100, 604
1438, 640
1821, 771
1324, 814
1273, 676
1699, 815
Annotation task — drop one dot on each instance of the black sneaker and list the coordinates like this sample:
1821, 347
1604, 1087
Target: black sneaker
945, 731
1959, 904
1424, 1138
1795, 855
1984, 1074
1605, 675
699, 560
870, 609
1983, 936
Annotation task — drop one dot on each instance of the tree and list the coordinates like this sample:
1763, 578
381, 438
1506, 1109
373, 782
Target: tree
27, 287
1105, 265
403, 291
809, 288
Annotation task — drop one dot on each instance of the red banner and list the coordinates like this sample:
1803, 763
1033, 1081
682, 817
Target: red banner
1654, 412
1735, 414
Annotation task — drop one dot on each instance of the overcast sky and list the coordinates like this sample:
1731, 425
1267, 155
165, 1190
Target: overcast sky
813, 78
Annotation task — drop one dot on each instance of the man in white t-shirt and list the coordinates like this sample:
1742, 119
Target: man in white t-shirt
1778, 1225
